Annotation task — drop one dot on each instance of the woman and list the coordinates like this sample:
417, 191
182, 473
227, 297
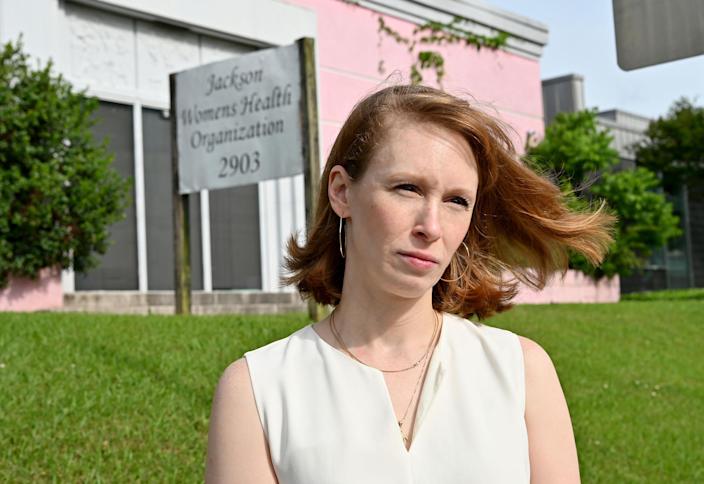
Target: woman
424, 209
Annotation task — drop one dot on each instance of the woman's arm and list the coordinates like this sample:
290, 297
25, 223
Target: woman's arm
237, 448
553, 453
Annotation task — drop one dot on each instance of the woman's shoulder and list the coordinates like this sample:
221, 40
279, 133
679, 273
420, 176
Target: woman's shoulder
457, 325
532, 352
237, 447
283, 357
280, 345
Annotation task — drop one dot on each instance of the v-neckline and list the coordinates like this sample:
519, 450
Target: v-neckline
428, 389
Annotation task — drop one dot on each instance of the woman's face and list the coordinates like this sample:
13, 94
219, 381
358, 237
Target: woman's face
411, 209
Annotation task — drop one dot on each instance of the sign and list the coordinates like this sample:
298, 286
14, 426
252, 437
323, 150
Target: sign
650, 32
239, 121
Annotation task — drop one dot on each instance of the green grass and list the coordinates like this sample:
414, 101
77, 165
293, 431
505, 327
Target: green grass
695, 293
127, 398
633, 376
115, 398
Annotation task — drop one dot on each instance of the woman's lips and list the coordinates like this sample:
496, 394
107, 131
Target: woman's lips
418, 262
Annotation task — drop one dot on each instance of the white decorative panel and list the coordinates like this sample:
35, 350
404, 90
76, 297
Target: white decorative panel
160, 51
102, 49
213, 50
270, 22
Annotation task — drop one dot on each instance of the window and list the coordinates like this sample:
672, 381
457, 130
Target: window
159, 207
117, 269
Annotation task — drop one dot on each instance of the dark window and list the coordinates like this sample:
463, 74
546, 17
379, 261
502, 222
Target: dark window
159, 207
117, 268
234, 234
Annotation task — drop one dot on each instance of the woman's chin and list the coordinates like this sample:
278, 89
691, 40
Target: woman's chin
413, 287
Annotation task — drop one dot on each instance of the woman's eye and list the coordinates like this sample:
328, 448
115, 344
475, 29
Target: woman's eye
460, 201
408, 187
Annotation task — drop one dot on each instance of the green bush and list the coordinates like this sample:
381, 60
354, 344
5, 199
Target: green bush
576, 153
674, 145
58, 192
573, 148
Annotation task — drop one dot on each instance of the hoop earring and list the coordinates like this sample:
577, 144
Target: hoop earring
339, 237
465, 267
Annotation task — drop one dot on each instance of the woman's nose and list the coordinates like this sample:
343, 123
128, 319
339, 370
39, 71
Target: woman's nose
428, 222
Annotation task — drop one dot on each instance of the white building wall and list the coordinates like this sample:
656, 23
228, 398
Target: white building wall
123, 51
626, 129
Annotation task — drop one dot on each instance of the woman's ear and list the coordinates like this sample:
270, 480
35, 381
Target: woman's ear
339, 184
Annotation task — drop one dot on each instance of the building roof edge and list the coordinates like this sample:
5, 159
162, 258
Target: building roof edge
527, 36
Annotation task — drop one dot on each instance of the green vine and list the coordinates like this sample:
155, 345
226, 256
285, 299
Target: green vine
437, 33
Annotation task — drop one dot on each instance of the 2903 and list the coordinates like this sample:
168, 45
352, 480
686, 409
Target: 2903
239, 164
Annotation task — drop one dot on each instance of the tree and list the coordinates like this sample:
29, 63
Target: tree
573, 148
577, 155
58, 192
674, 145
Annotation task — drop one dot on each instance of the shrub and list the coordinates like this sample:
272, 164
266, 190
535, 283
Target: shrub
576, 153
58, 192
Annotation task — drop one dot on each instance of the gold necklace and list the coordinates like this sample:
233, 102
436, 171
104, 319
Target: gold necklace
338, 337
406, 438
420, 376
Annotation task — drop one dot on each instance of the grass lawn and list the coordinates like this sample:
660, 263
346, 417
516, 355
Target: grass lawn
126, 398
633, 376
695, 293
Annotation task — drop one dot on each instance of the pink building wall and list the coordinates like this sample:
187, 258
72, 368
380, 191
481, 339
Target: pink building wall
574, 287
350, 49
27, 295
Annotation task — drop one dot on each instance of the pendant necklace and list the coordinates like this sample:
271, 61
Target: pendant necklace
423, 359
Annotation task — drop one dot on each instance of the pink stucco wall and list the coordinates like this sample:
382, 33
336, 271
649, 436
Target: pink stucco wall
574, 287
28, 295
350, 49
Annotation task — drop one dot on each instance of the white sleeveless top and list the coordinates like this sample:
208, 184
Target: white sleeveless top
328, 419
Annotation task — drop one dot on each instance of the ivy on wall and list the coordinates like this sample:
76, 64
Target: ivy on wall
435, 33
430, 34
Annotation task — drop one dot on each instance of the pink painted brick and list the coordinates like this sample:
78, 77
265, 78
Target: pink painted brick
24, 294
575, 287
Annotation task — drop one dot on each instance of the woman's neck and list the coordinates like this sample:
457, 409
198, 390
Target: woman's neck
385, 326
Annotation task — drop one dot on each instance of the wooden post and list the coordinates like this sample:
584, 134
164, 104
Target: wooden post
182, 252
311, 153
